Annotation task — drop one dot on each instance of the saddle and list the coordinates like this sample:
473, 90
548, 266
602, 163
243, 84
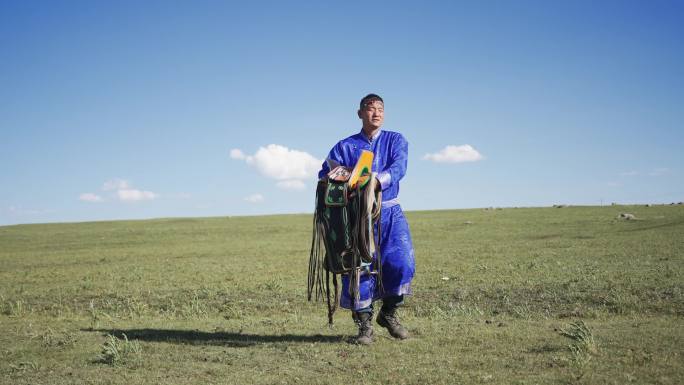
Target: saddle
344, 242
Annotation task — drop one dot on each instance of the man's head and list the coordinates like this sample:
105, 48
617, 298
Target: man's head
371, 112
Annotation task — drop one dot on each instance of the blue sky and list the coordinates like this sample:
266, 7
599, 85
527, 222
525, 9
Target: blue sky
125, 110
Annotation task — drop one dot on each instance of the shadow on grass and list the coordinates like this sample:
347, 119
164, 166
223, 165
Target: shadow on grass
196, 337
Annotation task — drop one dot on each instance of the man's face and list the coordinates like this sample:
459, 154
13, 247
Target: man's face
372, 114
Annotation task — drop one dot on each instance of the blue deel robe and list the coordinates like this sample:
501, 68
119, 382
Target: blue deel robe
390, 159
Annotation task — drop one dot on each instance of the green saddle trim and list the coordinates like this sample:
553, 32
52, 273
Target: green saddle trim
336, 194
365, 172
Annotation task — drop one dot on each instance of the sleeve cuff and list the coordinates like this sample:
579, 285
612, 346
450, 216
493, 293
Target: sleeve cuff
385, 179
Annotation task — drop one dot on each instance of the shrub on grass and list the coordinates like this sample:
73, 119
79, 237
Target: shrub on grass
583, 347
120, 352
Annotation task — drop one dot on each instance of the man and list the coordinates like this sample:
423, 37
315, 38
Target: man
396, 250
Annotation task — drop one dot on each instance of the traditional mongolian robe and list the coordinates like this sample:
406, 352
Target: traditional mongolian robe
390, 159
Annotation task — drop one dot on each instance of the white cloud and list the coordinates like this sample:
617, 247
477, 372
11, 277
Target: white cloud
122, 190
659, 171
292, 184
281, 163
132, 195
236, 153
21, 211
455, 154
90, 197
287, 166
255, 198
115, 184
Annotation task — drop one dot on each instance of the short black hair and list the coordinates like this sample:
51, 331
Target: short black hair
369, 99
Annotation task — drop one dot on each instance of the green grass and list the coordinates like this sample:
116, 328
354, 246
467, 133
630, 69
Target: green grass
502, 296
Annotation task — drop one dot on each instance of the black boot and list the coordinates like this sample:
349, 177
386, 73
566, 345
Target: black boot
388, 319
365, 324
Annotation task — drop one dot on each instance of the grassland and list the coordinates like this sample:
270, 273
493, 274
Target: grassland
511, 296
